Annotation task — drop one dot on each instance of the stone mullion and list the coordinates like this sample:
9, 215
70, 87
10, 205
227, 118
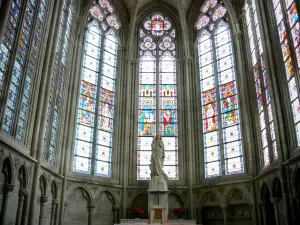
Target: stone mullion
61, 72
218, 103
43, 202
4, 15
24, 70
262, 88
11, 61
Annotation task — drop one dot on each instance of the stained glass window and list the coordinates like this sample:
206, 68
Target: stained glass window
157, 112
22, 76
219, 95
95, 119
261, 78
288, 8
57, 85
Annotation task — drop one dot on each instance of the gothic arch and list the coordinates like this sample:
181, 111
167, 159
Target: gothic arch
23, 177
276, 188
54, 190
236, 194
85, 192
110, 195
179, 198
43, 185
212, 197
265, 190
7, 170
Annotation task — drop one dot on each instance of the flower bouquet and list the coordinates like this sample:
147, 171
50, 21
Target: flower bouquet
136, 212
179, 212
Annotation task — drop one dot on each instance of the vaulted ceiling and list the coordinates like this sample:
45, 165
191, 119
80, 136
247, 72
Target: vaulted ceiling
131, 3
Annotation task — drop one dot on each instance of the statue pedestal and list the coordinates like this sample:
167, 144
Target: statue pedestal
158, 198
159, 212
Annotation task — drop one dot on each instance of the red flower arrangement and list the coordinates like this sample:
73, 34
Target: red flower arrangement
136, 212
179, 212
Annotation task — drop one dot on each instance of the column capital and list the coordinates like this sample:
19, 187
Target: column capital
8, 188
224, 207
274, 201
43, 199
23, 192
91, 207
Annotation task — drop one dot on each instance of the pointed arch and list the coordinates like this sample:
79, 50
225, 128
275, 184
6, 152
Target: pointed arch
7, 170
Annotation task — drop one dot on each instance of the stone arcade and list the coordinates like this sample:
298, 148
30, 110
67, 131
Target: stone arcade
85, 85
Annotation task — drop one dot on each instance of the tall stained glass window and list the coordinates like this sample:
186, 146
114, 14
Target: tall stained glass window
261, 78
94, 130
59, 78
157, 111
20, 78
287, 20
223, 154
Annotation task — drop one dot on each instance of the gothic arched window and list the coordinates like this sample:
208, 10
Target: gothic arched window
223, 154
19, 56
288, 24
157, 94
93, 141
261, 78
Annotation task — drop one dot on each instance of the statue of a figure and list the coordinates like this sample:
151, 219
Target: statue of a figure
157, 157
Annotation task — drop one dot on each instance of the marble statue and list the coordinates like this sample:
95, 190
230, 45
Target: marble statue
157, 158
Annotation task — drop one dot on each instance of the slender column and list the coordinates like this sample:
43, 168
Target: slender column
91, 208
264, 213
224, 209
275, 205
284, 186
44, 200
7, 189
22, 194
199, 215
53, 211
116, 210
4, 12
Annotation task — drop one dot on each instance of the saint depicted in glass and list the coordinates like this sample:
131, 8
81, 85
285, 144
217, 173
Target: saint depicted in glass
157, 95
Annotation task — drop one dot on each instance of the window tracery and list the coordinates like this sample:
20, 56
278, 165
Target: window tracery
287, 21
219, 94
157, 94
94, 131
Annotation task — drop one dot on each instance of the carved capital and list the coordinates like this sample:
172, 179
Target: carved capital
23, 192
8, 188
91, 207
274, 201
43, 199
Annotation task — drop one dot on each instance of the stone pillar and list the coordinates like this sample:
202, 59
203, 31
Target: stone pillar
4, 13
53, 212
116, 210
224, 209
199, 215
7, 189
264, 213
22, 194
91, 208
43, 201
275, 205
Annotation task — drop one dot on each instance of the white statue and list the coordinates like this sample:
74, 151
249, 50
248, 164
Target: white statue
157, 158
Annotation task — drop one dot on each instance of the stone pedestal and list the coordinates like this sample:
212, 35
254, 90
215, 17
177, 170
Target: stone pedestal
159, 212
158, 198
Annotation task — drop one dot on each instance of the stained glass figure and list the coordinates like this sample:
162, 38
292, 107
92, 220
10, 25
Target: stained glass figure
157, 95
220, 118
96, 112
289, 19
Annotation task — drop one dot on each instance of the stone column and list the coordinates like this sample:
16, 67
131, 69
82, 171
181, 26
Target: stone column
22, 194
91, 208
116, 210
224, 209
43, 201
263, 213
199, 215
275, 205
4, 13
7, 189
53, 211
